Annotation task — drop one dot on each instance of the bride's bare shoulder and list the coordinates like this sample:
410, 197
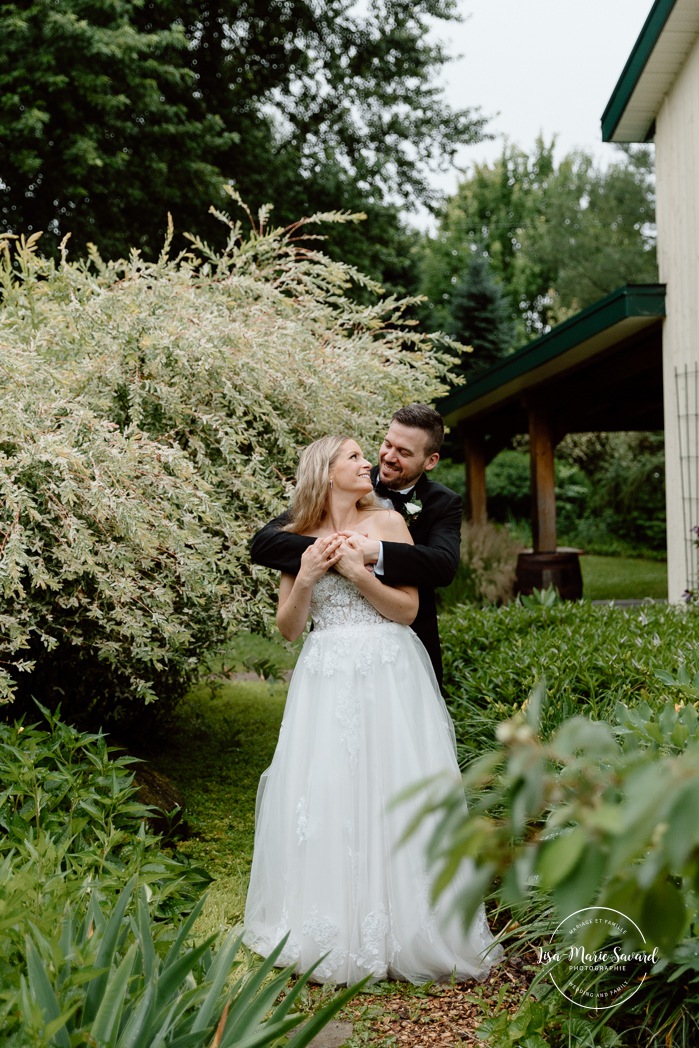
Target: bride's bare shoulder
386, 524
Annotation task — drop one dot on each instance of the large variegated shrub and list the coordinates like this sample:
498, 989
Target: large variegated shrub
150, 419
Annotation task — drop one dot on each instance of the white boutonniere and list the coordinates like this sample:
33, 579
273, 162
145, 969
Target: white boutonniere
412, 510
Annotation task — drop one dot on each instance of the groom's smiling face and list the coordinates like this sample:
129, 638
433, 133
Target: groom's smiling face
403, 458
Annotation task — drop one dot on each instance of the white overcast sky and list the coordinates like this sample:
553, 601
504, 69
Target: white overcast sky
536, 66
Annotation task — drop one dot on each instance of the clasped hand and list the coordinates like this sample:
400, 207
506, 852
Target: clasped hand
342, 551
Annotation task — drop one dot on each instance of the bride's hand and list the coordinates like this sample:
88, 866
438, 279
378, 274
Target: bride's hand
320, 557
351, 560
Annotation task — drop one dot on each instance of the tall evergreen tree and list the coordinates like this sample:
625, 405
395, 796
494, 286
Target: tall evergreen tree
481, 317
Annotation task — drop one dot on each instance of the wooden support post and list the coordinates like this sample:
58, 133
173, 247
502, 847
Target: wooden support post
541, 447
476, 497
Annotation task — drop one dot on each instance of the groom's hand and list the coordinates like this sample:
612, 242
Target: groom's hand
351, 563
369, 548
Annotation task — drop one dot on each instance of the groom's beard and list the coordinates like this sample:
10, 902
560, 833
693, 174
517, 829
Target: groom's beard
398, 481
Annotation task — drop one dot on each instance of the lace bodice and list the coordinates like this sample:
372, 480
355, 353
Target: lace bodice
337, 603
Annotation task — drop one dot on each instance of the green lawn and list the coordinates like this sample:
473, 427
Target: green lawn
219, 745
623, 578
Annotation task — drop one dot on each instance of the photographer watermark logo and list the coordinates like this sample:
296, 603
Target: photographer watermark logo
600, 976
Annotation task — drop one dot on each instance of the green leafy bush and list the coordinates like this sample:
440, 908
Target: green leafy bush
508, 483
591, 657
152, 417
71, 819
610, 491
597, 814
97, 924
629, 489
543, 1023
508, 480
583, 793
452, 474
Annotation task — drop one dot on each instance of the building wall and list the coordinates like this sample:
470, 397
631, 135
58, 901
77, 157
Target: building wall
677, 174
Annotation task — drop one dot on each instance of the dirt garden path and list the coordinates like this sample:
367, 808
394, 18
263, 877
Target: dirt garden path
441, 1016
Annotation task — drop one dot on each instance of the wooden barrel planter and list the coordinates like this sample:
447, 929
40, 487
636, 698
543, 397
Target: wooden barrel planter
560, 569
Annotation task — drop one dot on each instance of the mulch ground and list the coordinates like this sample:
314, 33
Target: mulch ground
443, 1015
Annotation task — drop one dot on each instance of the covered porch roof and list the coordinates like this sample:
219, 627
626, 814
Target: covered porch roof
599, 371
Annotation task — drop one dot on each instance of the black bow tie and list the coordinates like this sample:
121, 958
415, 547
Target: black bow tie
398, 498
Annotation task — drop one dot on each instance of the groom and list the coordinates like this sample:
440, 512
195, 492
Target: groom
433, 513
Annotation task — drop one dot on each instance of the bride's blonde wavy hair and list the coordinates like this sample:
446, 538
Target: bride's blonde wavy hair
309, 504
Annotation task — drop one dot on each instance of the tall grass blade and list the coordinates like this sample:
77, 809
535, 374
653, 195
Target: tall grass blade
106, 1021
184, 931
217, 975
322, 1017
43, 993
249, 1004
270, 1032
105, 953
145, 934
172, 976
135, 1031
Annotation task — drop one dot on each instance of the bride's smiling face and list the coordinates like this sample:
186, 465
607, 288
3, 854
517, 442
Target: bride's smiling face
350, 471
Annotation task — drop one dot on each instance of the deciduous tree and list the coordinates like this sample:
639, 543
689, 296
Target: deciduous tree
558, 236
315, 106
101, 128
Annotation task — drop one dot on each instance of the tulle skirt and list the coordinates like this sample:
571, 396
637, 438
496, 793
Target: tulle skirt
364, 720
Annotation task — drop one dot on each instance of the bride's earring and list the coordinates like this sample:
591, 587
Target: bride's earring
331, 483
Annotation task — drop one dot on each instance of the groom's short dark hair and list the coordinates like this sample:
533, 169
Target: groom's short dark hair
422, 416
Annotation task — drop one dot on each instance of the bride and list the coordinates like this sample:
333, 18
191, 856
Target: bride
364, 719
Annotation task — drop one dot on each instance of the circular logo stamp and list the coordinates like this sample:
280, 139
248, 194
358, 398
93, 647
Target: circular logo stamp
605, 972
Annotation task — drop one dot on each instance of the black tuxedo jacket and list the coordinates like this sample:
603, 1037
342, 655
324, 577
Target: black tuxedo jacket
430, 563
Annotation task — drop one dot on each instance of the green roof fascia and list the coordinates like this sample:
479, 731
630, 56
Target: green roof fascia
631, 300
626, 85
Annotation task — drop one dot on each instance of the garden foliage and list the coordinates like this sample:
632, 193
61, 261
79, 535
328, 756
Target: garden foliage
583, 793
610, 491
295, 101
557, 235
508, 480
591, 657
595, 814
487, 568
97, 929
152, 415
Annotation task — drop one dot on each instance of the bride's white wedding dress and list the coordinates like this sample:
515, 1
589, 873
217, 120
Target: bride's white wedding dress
364, 719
